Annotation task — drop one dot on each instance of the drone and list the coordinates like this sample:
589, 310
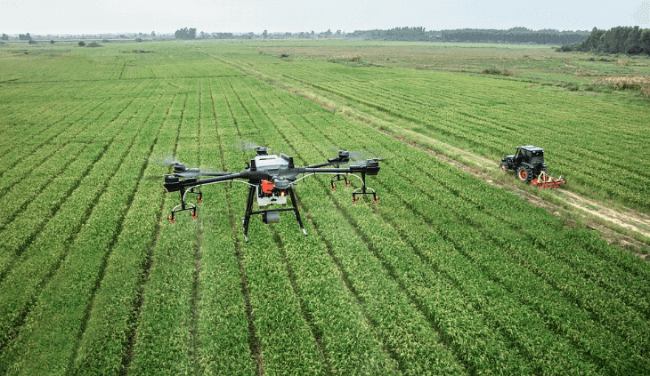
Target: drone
271, 179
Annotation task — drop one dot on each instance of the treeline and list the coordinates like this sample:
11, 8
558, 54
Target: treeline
618, 40
185, 33
513, 35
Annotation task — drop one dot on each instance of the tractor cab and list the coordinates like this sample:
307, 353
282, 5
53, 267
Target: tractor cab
530, 154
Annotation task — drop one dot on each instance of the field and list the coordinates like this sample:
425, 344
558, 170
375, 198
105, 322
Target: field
446, 274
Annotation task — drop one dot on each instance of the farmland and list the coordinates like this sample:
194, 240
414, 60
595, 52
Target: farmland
446, 274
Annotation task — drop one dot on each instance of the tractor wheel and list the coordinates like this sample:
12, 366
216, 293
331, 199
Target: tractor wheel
524, 174
503, 168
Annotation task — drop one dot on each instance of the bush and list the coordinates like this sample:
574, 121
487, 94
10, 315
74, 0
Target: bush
94, 44
31, 41
81, 43
138, 40
497, 71
106, 41
52, 41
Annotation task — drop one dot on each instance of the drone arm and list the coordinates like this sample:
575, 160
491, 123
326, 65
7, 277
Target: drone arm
368, 168
319, 165
215, 173
313, 170
172, 183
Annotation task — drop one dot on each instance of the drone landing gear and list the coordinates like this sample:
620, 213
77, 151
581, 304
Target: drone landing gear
271, 215
364, 191
186, 206
339, 178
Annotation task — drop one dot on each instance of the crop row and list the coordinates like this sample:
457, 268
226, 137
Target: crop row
51, 130
61, 237
105, 345
34, 199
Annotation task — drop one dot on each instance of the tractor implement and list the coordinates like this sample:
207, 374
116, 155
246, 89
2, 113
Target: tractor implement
544, 180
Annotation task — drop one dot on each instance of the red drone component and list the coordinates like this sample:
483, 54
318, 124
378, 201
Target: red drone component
170, 218
267, 186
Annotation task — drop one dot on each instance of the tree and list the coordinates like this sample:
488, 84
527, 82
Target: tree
633, 42
185, 33
5, 37
645, 41
52, 41
153, 34
24, 36
265, 34
81, 43
338, 33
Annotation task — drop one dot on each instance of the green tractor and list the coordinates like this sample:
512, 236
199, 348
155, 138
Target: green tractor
528, 164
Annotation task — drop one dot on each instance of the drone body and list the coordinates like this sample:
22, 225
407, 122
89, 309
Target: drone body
271, 179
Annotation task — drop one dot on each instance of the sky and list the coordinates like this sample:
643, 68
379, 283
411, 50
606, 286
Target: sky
166, 16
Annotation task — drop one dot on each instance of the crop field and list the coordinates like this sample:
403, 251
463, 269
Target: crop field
446, 274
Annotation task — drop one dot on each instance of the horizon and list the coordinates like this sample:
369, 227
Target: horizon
280, 16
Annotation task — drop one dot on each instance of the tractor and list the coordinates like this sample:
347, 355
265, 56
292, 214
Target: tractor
528, 164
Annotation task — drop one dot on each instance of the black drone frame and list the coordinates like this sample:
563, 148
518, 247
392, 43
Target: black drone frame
279, 179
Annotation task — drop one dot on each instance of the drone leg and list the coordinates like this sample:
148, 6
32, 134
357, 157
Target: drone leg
295, 210
249, 209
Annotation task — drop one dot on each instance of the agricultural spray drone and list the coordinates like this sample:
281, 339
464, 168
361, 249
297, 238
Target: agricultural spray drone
270, 179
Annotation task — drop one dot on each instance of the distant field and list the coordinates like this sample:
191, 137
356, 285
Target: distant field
444, 275
534, 63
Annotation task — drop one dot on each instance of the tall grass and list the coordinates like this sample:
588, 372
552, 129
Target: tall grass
627, 83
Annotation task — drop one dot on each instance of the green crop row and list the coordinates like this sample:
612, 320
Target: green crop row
55, 322
32, 266
104, 345
47, 191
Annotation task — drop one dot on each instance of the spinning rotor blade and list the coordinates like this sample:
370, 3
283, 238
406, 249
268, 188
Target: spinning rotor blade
165, 161
246, 145
365, 162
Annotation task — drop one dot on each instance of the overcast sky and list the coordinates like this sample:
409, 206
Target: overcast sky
166, 16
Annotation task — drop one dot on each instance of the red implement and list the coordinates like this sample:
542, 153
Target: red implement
546, 181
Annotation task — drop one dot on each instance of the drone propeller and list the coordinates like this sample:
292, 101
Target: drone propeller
366, 162
165, 161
